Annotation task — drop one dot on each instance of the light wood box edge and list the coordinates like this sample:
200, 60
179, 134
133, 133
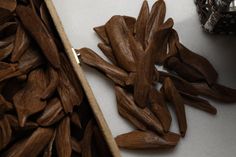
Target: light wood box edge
80, 74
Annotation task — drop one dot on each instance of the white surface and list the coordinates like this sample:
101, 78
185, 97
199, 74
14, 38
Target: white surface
207, 136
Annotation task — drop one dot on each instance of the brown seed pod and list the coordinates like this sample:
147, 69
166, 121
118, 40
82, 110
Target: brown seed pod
141, 24
120, 36
40, 33
175, 98
107, 51
199, 63
52, 113
9, 4
63, 139
5, 132
22, 42
147, 140
126, 101
116, 74
28, 101
31, 146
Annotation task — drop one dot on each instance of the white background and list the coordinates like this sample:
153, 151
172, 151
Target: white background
207, 136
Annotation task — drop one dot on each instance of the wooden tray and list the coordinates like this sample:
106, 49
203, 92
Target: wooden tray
80, 74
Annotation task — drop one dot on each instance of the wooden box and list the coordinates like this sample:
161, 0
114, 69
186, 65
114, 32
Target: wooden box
79, 72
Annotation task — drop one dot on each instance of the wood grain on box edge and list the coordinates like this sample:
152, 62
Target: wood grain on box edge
93, 103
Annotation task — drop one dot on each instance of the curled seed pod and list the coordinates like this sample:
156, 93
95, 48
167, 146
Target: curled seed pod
147, 140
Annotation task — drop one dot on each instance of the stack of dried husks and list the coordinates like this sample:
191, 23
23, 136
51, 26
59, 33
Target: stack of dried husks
43, 110
135, 46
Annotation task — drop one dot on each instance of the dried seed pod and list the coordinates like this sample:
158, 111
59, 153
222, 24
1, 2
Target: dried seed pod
183, 70
5, 15
6, 51
9, 4
146, 66
101, 145
165, 30
173, 41
53, 83
159, 108
5, 105
181, 84
63, 139
6, 69
76, 146
7, 29
155, 19
22, 42
67, 68
31, 146
48, 150
120, 36
140, 25
46, 18
75, 119
125, 101
28, 101
45, 41
130, 22
199, 63
131, 118
216, 91
147, 140
198, 103
53, 112
7, 41
87, 140
5, 132
30, 60
116, 74
175, 98
67, 92
107, 51
13, 121
101, 32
